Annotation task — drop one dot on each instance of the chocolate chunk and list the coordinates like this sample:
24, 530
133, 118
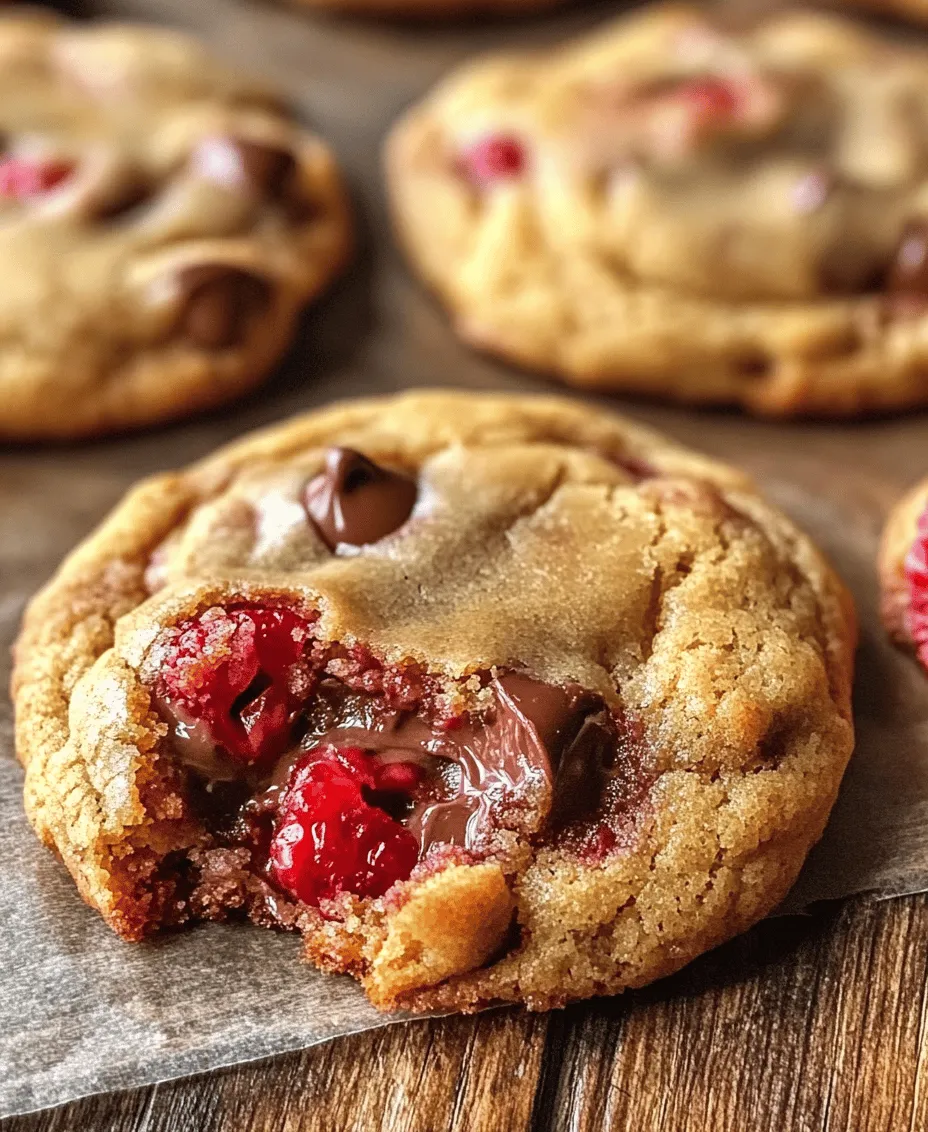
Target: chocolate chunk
541, 757
355, 501
909, 270
218, 300
262, 167
553, 712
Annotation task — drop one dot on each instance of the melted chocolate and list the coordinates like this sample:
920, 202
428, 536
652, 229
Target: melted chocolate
262, 167
355, 501
539, 757
218, 300
506, 769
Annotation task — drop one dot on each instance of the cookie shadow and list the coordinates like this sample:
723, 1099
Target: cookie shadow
772, 946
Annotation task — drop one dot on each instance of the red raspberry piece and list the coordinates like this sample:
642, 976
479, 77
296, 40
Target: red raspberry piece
400, 778
496, 157
244, 672
916, 573
22, 179
710, 99
329, 839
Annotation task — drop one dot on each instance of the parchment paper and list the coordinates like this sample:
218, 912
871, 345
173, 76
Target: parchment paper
82, 1012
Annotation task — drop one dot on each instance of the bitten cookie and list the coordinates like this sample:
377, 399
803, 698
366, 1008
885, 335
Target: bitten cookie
162, 222
668, 209
903, 570
492, 698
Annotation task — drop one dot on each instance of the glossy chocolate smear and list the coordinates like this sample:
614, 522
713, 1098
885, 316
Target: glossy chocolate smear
539, 741
538, 758
218, 301
355, 502
540, 754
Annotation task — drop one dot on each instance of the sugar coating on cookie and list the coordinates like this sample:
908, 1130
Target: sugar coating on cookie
162, 222
492, 698
669, 208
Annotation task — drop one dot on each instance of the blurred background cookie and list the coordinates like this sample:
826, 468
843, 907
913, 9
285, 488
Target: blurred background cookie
162, 222
670, 209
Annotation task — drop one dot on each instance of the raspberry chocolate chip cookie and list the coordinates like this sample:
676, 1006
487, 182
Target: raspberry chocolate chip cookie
491, 698
673, 210
903, 570
162, 221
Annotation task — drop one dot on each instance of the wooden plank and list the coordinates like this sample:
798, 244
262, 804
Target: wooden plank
799, 1025
815, 1025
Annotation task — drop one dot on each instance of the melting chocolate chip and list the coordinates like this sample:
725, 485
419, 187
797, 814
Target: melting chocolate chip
850, 268
909, 270
540, 756
261, 166
540, 759
355, 501
218, 300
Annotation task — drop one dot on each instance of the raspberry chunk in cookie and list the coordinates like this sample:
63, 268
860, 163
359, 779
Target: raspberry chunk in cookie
242, 672
329, 838
496, 157
916, 573
23, 178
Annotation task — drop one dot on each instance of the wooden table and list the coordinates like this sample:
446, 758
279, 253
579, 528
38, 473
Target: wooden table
819, 1023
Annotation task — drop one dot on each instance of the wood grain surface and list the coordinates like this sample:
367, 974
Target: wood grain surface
811, 1025
806, 1024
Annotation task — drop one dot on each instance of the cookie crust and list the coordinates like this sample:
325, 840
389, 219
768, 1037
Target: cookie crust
610, 268
702, 611
163, 272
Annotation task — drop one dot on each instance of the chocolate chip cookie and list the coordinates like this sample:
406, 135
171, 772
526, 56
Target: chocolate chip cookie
162, 222
671, 209
492, 698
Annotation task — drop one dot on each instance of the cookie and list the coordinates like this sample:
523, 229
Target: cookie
492, 698
667, 209
903, 572
162, 222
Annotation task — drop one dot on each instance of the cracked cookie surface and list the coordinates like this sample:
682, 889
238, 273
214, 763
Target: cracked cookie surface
669, 208
162, 222
570, 712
